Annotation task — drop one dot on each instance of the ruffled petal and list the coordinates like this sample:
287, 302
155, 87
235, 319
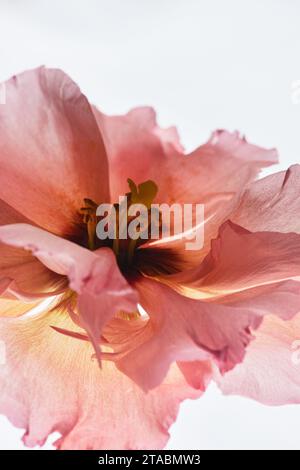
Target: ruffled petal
270, 370
197, 373
185, 330
51, 151
217, 172
137, 149
272, 203
49, 383
240, 260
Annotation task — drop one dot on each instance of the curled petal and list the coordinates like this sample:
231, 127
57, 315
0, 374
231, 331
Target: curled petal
16, 264
240, 260
270, 372
101, 288
185, 330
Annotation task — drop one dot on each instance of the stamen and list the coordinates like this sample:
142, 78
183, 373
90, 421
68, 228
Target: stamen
143, 193
90, 219
130, 251
116, 246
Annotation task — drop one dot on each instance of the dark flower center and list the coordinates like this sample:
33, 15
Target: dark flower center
128, 256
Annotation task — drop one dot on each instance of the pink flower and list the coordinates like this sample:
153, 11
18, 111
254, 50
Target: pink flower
227, 312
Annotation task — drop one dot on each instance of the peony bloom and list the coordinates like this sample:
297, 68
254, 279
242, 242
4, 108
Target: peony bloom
226, 312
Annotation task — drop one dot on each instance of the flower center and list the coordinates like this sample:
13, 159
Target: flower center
123, 247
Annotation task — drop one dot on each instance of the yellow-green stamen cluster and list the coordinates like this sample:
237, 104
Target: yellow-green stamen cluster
143, 193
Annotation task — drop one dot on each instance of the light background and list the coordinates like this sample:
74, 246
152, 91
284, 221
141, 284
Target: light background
203, 65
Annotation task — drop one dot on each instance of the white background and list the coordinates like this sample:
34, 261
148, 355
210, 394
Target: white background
203, 65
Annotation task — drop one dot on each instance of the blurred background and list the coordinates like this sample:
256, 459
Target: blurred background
203, 64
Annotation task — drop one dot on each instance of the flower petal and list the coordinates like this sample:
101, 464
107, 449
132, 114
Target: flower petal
241, 260
28, 273
50, 146
196, 373
270, 372
272, 203
215, 174
59, 255
15, 308
10, 290
184, 329
101, 288
105, 293
49, 383
136, 149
